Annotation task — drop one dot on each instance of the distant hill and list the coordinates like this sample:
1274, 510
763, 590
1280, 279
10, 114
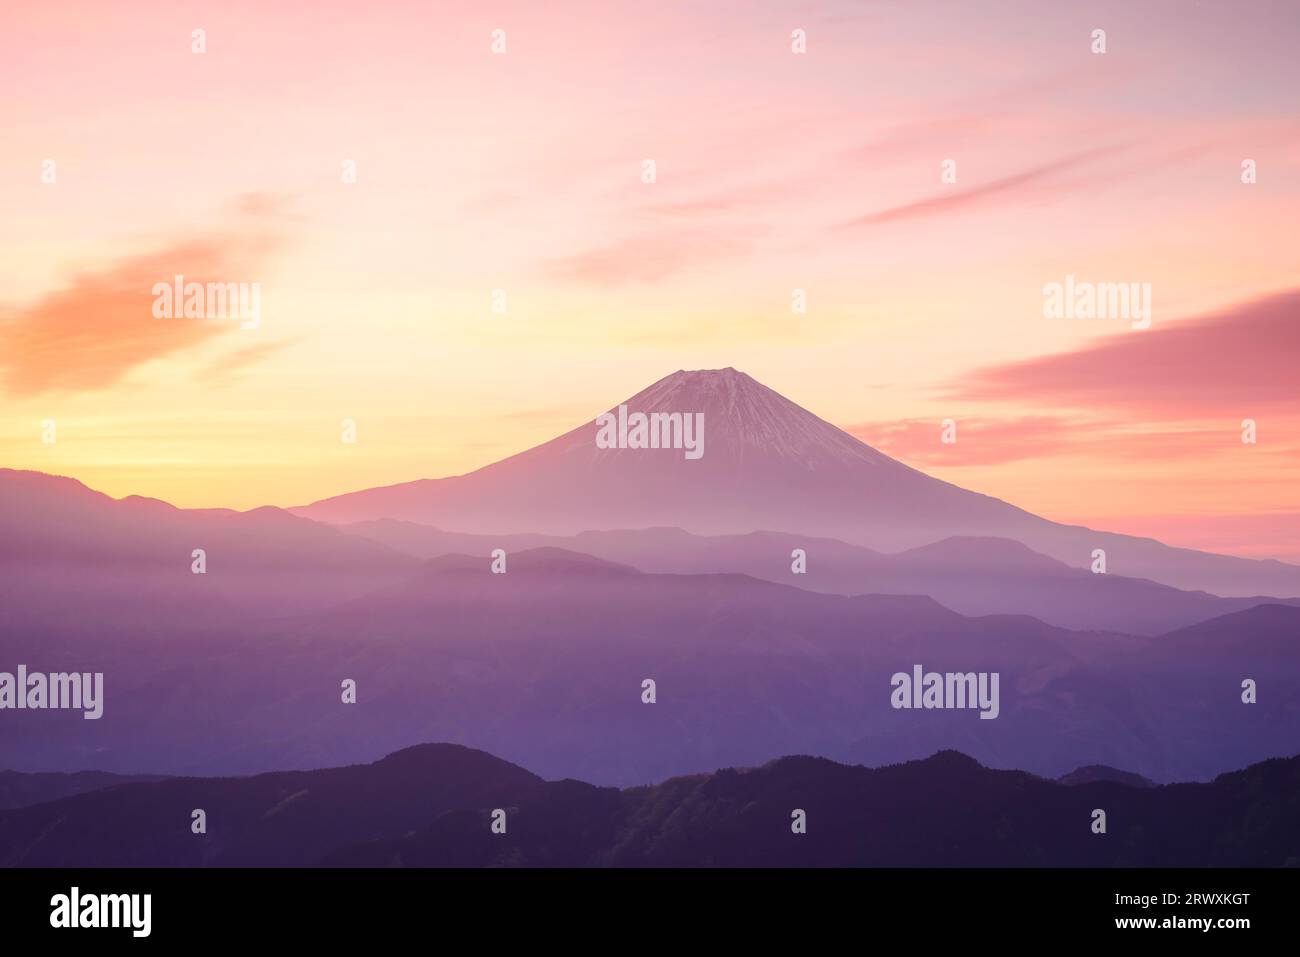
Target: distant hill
974, 576
1093, 773
283, 818
73, 559
49, 518
432, 806
18, 789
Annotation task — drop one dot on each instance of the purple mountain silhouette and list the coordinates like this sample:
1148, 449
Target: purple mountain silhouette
973, 576
49, 516
767, 464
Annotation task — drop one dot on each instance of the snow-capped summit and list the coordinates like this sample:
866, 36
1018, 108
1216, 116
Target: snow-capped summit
744, 422
754, 422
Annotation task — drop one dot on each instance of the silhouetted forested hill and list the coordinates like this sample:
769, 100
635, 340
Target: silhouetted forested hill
434, 805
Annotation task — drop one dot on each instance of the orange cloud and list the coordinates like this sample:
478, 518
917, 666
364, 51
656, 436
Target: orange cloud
89, 334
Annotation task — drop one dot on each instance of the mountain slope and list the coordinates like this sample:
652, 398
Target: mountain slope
766, 464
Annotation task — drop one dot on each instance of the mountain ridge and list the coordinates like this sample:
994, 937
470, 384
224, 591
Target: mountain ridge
973, 576
548, 668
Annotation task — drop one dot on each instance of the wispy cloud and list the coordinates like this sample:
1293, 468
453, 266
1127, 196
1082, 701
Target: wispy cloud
650, 256
1027, 181
225, 367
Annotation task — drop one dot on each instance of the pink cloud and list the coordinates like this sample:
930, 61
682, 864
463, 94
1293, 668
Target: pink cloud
1268, 535
1235, 363
989, 441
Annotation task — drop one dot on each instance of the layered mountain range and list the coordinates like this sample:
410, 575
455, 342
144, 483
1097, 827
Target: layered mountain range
769, 589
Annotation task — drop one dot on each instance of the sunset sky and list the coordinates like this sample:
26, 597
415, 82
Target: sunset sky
522, 171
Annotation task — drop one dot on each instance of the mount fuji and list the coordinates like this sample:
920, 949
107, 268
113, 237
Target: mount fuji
770, 465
